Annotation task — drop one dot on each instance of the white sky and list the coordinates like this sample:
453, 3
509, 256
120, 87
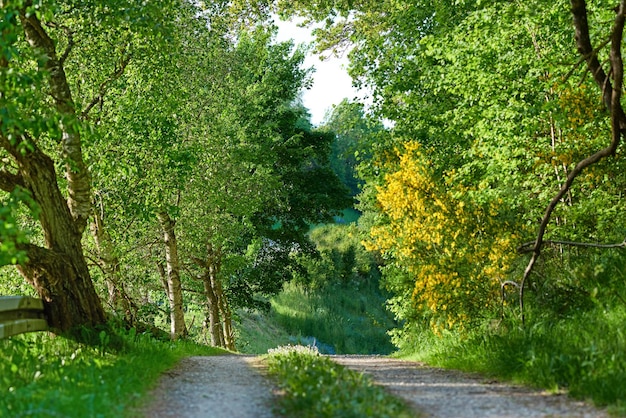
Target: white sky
331, 82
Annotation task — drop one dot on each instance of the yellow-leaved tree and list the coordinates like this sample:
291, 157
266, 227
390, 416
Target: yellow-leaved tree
450, 253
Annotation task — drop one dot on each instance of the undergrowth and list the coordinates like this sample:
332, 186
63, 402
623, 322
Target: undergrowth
315, 386
42, 375
584, 354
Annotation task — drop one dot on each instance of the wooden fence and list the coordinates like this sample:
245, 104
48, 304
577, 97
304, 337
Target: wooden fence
20, 314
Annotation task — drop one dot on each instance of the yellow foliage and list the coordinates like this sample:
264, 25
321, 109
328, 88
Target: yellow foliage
456, 250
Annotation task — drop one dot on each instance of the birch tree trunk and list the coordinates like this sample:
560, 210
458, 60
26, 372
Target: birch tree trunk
174, 287
214, 265
219, 316
213, 311
57, 270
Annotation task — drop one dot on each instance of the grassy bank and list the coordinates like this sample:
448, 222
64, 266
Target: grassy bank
584, 354
43, 375
336, 318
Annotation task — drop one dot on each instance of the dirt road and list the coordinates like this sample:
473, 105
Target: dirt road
213, 387
233, 387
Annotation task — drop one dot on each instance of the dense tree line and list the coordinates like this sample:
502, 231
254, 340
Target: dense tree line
505, 139
149, 147
159, 149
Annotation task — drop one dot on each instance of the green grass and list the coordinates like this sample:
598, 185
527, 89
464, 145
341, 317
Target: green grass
42, 375
584, 354
317, 387
257, 333
348, 319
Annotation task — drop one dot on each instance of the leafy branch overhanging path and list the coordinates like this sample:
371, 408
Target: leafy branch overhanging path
611, 84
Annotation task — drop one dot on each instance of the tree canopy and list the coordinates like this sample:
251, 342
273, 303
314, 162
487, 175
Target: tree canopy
173, 134
494, 108
173, 131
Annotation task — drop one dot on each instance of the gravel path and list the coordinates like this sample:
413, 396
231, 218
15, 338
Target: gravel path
213, 387
451, 394
230, 387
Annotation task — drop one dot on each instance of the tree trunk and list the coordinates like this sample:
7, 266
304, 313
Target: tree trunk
174, 287
229, 341
218, 312
76, 172
119, 301
215, 328
214, 265
58, 272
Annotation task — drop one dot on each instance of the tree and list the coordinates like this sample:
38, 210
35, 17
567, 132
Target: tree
255, 218
199, 143
500, 123
58, 66
355, 136
611, 84
57, 269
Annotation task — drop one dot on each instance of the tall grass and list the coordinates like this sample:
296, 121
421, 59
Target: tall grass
584, 354
258, 332
42, 375
348, 319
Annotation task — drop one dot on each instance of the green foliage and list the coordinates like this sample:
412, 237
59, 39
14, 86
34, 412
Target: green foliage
11, 235
44, 375
355, 134
227, 155
337, 300
315, 386
342, 258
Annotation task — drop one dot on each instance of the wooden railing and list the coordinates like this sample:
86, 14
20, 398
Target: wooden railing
20, 314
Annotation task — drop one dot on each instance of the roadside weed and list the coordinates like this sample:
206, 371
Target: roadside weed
584, 354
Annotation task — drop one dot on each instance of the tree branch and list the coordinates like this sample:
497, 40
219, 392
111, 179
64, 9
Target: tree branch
584, 58
77, 174
70, 40
68, 49
104, 86
611, 92
528, 246
585, 49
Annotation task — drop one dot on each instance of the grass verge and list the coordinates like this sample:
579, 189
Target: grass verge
315, 386
584, 354
42, 375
